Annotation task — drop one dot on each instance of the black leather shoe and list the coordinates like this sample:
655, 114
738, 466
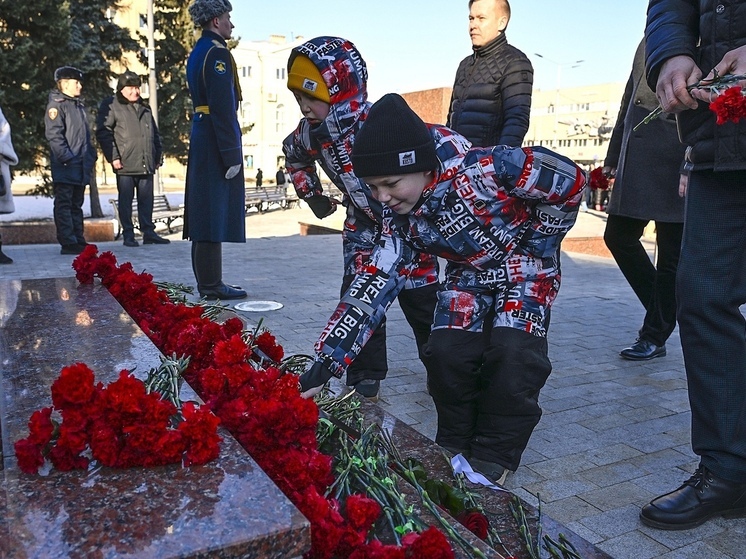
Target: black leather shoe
643, 350
702, 496
155, 240
221, 291
72, 249
369, 389
493, 471
131, 243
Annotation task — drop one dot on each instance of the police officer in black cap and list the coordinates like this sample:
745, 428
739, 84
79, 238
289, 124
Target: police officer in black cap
72, 156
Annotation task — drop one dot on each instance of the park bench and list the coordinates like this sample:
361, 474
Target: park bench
163, 212
263, 198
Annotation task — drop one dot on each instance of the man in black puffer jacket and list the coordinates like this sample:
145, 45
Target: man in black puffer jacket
491, 98
131, 142
686, 40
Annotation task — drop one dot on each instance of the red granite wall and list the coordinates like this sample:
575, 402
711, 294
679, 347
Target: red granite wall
431, 105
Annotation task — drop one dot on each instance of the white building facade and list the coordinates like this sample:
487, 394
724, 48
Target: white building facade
268, 111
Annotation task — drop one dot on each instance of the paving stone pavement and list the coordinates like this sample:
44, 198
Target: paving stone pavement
614, 433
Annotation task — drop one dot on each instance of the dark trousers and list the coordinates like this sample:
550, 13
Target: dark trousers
68, 212
143, 184
485, 386
711, 288
418, 306
654, 285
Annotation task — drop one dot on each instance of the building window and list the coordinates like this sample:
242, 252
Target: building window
246, 71
280, 73
247, 116
249, 161
280, 118
143, 21
550, 109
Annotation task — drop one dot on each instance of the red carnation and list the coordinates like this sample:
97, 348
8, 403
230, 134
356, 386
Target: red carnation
231, 351
124, 394
730, 106
105, 445
377, 550
73, 387
65, 460
598, 181
29, 456
268, 345
476, 522
199, 429
40, 427
430, 544
362, 512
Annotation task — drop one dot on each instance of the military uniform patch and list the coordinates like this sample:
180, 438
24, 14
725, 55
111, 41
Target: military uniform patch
52, 113
220, 67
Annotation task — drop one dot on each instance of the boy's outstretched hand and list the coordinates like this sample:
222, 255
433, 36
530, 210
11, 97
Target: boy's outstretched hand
313, 380
321, 206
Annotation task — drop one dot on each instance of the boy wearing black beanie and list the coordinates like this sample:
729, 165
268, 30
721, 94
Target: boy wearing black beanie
497, 215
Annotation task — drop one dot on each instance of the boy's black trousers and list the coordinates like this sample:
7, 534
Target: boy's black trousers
485, 386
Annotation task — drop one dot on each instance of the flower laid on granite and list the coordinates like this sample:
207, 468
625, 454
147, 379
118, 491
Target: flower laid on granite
260, 404
562, 549
120, 425
597, 180
728, 108
367, 461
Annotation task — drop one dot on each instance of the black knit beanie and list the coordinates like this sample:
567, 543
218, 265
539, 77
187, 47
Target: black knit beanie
393, 141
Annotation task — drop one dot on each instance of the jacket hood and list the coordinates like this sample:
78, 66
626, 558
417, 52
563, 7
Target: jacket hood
451, 149
345, 75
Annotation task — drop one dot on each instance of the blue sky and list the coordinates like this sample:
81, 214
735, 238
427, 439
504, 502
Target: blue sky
417, 44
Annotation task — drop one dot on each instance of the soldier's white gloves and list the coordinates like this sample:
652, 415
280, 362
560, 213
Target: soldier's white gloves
232, 171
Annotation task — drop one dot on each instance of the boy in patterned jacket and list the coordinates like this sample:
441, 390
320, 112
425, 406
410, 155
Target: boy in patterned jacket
497, 215
328, 77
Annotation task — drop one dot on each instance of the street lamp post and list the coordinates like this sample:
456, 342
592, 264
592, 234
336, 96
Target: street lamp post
573, 64
152, 82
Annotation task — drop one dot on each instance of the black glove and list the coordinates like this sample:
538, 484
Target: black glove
313, 380
321, 206
3, 190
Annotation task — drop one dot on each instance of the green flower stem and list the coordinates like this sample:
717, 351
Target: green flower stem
715, 85
520, 516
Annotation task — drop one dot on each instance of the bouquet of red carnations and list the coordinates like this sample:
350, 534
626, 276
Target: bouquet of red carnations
120, 425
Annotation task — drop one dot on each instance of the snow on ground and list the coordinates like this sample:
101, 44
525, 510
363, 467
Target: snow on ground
30, 208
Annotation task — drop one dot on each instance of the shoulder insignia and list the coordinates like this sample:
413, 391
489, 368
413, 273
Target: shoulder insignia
220, 67
52, 113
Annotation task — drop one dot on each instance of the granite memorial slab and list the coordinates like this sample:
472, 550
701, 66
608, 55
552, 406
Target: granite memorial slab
226, 508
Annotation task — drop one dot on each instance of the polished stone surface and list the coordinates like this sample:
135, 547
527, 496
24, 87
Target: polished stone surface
227, 508
496, 504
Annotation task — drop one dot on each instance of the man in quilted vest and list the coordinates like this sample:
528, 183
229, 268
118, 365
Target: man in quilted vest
491, 98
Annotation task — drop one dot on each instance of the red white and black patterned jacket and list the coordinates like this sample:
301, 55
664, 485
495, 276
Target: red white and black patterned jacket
330, 144
492, 213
